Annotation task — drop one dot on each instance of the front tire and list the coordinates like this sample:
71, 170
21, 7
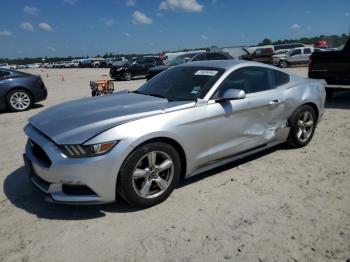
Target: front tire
302, 126
149, 174
19, 100
283, 64
127, 75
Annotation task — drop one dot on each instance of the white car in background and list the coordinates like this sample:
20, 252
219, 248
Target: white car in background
4, 66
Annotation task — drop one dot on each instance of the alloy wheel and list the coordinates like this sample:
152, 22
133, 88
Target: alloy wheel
305, 126
153, 174
20, 100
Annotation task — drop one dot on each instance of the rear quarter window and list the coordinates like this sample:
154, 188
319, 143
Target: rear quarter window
280, 78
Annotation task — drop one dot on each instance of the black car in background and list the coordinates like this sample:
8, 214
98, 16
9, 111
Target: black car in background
190, 57
18, 90
134, 67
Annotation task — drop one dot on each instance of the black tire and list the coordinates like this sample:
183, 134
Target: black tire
127, 183
93, 93
294, 139
283, 64
11, 95
127, 75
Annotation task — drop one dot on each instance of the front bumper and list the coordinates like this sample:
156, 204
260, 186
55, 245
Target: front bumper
114, 74
55, 172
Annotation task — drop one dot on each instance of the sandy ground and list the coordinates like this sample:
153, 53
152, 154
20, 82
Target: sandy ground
280, 205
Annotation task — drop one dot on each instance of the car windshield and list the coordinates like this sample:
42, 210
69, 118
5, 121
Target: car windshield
182, 83
181, 59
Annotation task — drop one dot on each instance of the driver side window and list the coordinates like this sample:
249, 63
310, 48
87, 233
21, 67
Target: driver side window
251, 79
296, 52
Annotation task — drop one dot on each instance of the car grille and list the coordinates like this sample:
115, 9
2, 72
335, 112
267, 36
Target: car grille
39, 153
77, 190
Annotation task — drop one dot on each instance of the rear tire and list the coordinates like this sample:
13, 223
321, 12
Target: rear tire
149, 174
302, 126
19, 100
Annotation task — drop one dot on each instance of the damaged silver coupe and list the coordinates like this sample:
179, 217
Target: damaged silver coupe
188, 119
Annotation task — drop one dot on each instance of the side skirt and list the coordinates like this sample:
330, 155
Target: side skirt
229, 159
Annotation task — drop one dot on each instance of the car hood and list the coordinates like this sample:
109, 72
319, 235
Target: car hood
159, 68
77, 121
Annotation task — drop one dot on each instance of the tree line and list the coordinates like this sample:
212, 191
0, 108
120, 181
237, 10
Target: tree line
332, 40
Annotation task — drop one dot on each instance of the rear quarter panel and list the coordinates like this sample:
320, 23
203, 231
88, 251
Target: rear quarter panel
303, 91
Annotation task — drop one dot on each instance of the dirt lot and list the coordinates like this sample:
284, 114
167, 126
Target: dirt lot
280, 205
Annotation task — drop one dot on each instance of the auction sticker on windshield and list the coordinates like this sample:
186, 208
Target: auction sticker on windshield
206, 73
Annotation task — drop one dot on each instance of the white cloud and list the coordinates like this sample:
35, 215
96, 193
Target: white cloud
130, 3
163, 6
51, 48
295, 27
185, 5
70, 2
31, 10
128, 34
45, 27
141, 19
5, 33
26, 26
108, 21
204, 37
159, 14
347, 14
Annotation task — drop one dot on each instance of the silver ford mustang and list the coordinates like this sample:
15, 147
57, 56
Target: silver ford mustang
188, 119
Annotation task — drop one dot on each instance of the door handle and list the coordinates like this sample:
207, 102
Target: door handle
276, 102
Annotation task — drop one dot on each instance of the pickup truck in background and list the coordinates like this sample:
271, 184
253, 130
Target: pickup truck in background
333, 67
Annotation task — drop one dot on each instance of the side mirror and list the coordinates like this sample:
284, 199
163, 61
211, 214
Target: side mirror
231, 94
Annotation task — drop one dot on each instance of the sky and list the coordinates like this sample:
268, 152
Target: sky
32, 28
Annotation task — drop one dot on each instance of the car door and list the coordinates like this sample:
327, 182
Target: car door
240, 125
306, 54
137, 67
5, 80
296, 56
148, 63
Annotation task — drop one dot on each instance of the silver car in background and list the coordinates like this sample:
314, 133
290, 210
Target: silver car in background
188, 119
296, 56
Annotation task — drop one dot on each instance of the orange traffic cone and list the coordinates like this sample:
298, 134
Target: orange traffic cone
62, 78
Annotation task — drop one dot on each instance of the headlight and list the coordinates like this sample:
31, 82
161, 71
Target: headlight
76, 151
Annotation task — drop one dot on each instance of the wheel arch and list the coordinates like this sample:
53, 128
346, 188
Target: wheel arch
20, 88
314, 107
